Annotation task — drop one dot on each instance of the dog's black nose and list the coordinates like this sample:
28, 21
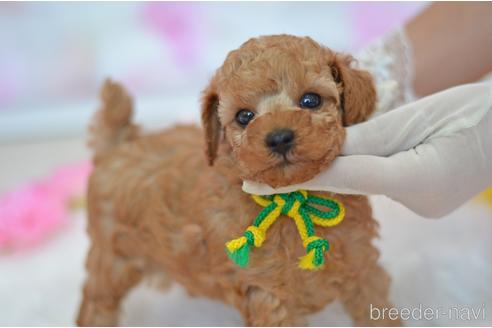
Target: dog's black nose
280, 141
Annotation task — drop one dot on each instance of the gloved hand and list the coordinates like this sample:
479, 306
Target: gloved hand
431, 155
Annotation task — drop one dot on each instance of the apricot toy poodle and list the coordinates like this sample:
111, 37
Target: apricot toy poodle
274, 112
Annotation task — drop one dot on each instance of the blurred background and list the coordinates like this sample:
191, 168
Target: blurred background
53, 60
54, 56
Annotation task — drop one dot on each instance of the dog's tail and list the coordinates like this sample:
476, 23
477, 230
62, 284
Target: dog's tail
112, 123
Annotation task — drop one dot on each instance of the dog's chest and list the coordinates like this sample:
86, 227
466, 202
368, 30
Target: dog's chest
197, 209
216, 220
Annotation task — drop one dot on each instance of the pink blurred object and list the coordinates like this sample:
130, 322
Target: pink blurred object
35, 210
373, 19
178, 23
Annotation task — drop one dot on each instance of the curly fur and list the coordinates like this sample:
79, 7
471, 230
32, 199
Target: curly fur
156, 207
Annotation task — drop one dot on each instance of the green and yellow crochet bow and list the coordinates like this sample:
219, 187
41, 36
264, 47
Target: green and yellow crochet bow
295, 205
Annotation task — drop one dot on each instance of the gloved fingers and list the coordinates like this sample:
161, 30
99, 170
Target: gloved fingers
256, 188
413, 178
406, 127
358, 174
405, 177
384, 135
453, 170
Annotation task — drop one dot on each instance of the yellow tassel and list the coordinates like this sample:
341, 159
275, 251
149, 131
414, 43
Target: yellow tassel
306, 261
235, 244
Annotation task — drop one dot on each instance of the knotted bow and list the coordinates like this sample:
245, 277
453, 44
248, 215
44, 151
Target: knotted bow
295, 205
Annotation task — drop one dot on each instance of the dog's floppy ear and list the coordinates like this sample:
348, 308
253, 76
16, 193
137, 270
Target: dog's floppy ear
210, 121
357, 90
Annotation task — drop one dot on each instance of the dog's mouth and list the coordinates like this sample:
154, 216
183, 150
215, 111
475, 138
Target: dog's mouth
291, 159
281, 162
290, 168
284, 162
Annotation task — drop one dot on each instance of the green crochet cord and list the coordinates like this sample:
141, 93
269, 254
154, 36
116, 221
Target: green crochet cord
295, 205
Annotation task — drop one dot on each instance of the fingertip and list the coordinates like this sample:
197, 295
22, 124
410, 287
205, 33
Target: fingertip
256, 188
247, 187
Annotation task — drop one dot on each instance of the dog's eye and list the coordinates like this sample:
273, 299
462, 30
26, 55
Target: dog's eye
310, 100
244, 116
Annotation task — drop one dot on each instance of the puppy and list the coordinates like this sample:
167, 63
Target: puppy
275, 113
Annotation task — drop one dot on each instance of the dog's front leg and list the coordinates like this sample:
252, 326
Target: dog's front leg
262, 308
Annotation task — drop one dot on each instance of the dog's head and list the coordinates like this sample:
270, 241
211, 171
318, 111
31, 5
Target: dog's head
281, 103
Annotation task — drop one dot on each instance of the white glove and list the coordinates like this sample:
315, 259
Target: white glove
431, 155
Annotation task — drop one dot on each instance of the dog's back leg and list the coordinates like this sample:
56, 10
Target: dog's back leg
368, 292
108, 281
111, 273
